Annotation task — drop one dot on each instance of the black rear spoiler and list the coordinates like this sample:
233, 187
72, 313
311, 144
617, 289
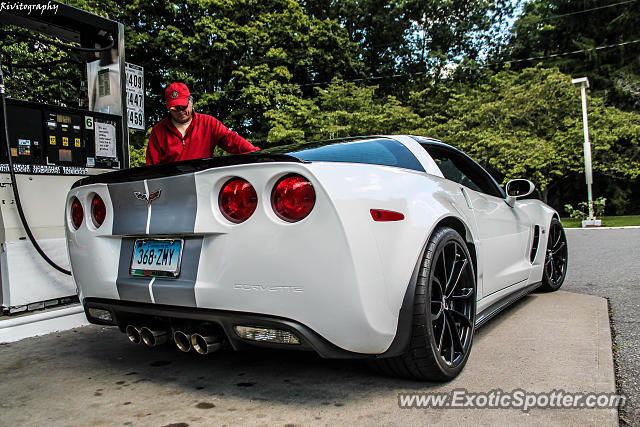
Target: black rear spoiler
183, 167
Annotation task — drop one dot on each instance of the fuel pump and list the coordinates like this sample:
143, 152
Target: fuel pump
46, 147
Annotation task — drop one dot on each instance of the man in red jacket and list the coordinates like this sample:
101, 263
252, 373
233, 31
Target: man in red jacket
185, 134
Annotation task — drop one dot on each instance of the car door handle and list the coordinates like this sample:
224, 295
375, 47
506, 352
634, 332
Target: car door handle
466, 197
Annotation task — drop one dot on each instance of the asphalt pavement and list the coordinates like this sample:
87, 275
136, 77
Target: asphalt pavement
606, 262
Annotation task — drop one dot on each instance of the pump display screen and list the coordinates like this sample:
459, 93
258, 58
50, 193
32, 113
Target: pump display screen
64, 119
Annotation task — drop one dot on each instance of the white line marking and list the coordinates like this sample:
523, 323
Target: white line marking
146, 189
151, 290
624, 227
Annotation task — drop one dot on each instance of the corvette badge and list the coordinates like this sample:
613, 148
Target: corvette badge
153, 196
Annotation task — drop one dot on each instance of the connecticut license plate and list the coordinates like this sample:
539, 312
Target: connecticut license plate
157, 257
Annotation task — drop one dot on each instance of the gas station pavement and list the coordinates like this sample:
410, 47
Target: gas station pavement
94, 376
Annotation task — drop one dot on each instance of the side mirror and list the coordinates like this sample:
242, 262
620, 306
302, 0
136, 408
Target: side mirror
517, 189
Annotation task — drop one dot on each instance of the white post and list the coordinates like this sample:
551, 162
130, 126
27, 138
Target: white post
587, 151
583, 84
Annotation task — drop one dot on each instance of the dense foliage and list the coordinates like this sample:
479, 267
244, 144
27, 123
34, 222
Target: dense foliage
286, 71
606, 35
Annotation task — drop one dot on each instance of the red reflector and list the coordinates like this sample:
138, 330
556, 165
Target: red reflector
238, 200
98, 211
293, 198
382, 215
77, 213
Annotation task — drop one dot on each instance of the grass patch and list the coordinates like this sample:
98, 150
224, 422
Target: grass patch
607, 221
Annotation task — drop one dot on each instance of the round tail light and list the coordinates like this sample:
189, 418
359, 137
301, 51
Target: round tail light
98, 210
77, 213
238, 200
293, 198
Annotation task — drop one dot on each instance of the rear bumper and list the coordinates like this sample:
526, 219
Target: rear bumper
142, 314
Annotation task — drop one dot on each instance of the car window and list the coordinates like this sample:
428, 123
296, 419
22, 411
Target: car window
382, 151
458, 167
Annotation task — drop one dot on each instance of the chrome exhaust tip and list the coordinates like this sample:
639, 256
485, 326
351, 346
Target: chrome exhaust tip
133, 333
205, 344
182, 340
152, 337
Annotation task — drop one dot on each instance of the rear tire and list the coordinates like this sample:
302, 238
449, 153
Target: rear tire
444, 313
555, 262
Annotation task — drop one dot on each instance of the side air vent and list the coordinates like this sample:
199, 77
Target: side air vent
536, 241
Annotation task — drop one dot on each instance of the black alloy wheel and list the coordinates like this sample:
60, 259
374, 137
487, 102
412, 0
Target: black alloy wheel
452, 303
444, 313
555, 262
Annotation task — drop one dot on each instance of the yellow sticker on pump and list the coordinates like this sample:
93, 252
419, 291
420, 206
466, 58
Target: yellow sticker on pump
65, 141
52, 139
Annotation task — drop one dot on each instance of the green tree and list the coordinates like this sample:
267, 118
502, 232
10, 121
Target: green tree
606, 35
341, 110
529, 124
239, 57
415, 36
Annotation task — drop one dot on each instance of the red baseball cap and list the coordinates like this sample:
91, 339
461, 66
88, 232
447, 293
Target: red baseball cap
176, 94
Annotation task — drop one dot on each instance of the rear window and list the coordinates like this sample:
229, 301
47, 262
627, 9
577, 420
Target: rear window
381, 151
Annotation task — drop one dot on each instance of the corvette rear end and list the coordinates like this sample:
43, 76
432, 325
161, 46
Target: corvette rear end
247, 250
392, 248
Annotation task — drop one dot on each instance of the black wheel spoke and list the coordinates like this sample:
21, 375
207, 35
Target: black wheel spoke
454, 339
455, 284
548, 261
454, 263
467, 293
460, 316
559, 269
444, 266
444, 327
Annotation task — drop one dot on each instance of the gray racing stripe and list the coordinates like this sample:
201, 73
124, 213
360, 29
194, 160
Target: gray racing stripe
174, 212
181, 291
129, 212
130, 288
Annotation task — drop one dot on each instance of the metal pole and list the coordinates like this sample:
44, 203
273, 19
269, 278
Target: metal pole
587, 151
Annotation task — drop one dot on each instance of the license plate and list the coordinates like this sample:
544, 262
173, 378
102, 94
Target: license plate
157, 257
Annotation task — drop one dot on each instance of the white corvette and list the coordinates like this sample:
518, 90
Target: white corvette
392, 248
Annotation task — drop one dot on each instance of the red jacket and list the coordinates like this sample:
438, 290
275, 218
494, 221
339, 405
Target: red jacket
204, 133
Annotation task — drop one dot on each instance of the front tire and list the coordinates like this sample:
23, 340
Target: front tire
444, 313
555, 262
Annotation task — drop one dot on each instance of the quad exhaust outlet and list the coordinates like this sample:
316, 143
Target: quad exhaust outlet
133, 333
150, 337
153, 337
182, 340
205, 344
200, 342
